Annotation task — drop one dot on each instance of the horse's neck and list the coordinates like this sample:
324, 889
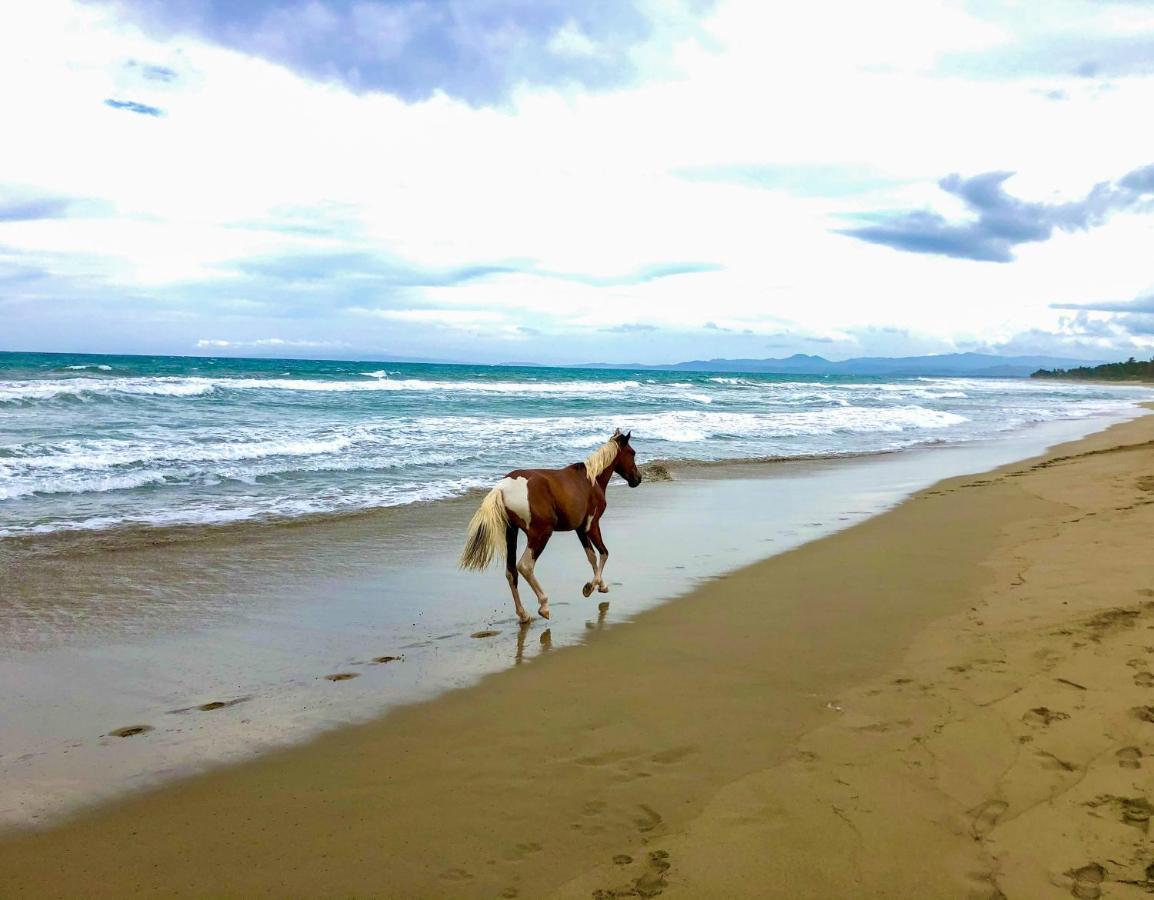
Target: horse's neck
603, 478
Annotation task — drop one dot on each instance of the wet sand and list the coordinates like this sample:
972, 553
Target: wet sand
951, 699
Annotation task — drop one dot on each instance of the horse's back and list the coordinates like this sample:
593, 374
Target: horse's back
560, 495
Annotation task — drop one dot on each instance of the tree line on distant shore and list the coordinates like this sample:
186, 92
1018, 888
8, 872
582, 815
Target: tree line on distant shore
1130, 370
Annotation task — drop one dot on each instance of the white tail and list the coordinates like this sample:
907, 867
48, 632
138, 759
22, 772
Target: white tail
486, 532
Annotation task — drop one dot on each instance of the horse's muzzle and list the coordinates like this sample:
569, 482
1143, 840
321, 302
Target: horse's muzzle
633, 482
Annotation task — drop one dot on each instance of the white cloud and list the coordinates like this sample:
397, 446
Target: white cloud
216, 344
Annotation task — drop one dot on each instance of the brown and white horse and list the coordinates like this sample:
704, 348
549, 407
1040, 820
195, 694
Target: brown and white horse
541, 501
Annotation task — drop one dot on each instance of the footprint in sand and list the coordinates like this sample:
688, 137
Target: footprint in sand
1145, 713
986, 816
342, 676
1144, 679
1043, 716
650, 883
672, 755
456, 875
519, 852
487, 633
1087, 882
1136, 811
130, 731
650, 819
1129, 758
380, 660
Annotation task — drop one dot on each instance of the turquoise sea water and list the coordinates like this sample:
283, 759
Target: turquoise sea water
97, 442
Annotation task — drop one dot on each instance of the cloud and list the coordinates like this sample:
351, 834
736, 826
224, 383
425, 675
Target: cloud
310, 267
1133, 318
642, 275
476, 51
1002, 221
629, 328
132, 106
158, 73
381, 270
1040, 54
212, 344
28, 209
1141, 304
804, 180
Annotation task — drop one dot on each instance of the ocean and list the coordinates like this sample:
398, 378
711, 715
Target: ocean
92, 443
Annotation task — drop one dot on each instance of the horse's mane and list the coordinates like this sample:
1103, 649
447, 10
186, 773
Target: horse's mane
601, 458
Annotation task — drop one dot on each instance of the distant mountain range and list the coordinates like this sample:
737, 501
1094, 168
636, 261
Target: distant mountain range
947, 364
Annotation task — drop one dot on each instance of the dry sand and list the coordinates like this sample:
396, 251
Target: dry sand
954, 699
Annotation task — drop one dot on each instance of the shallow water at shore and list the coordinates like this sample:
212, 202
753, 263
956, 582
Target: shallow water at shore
250, 625
95, 446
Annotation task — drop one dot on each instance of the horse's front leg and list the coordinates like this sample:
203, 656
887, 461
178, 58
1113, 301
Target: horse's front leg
603, 555
538, 538
583, 537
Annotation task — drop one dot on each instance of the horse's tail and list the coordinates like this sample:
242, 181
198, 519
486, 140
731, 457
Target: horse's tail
486, 532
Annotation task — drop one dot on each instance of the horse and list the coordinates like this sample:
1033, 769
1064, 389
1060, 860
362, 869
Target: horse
542, 501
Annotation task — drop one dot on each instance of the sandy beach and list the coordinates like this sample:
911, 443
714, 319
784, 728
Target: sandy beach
951, 699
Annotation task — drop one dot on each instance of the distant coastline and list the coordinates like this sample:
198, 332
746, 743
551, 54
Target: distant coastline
943, 365
1132, 370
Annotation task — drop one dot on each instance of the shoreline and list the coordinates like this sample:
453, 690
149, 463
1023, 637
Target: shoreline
257, 620
709, 690
69, 541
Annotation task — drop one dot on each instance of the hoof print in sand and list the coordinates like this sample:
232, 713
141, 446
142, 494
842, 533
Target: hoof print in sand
1134, 811
1041, 715
1129, 758
650, 819
342, 676
986, 816
1144, 679
649, 883
487, 633
1145, 713
130, 731
1087, 882
387, 659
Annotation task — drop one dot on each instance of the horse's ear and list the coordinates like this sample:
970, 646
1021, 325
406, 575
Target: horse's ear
616, 434
628, 435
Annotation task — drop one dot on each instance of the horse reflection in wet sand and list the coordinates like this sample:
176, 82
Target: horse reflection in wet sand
541, 501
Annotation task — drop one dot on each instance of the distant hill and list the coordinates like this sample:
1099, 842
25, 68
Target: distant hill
1131, 370
949, 364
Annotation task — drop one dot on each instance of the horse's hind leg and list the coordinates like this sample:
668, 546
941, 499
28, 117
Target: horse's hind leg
603, 551
583, 537
537, 542
511, 571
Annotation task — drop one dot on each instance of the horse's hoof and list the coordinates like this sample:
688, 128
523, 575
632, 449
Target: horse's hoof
588, 589
525, 621
603, 589
543, 610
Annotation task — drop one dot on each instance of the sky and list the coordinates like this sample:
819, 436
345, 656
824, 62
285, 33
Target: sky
567, 181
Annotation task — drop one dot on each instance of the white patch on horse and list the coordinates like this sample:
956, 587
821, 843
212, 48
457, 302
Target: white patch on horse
515, 491
588, 521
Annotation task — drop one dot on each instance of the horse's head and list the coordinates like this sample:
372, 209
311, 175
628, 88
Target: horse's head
626, 463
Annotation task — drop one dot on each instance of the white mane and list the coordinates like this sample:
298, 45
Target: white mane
601, 458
